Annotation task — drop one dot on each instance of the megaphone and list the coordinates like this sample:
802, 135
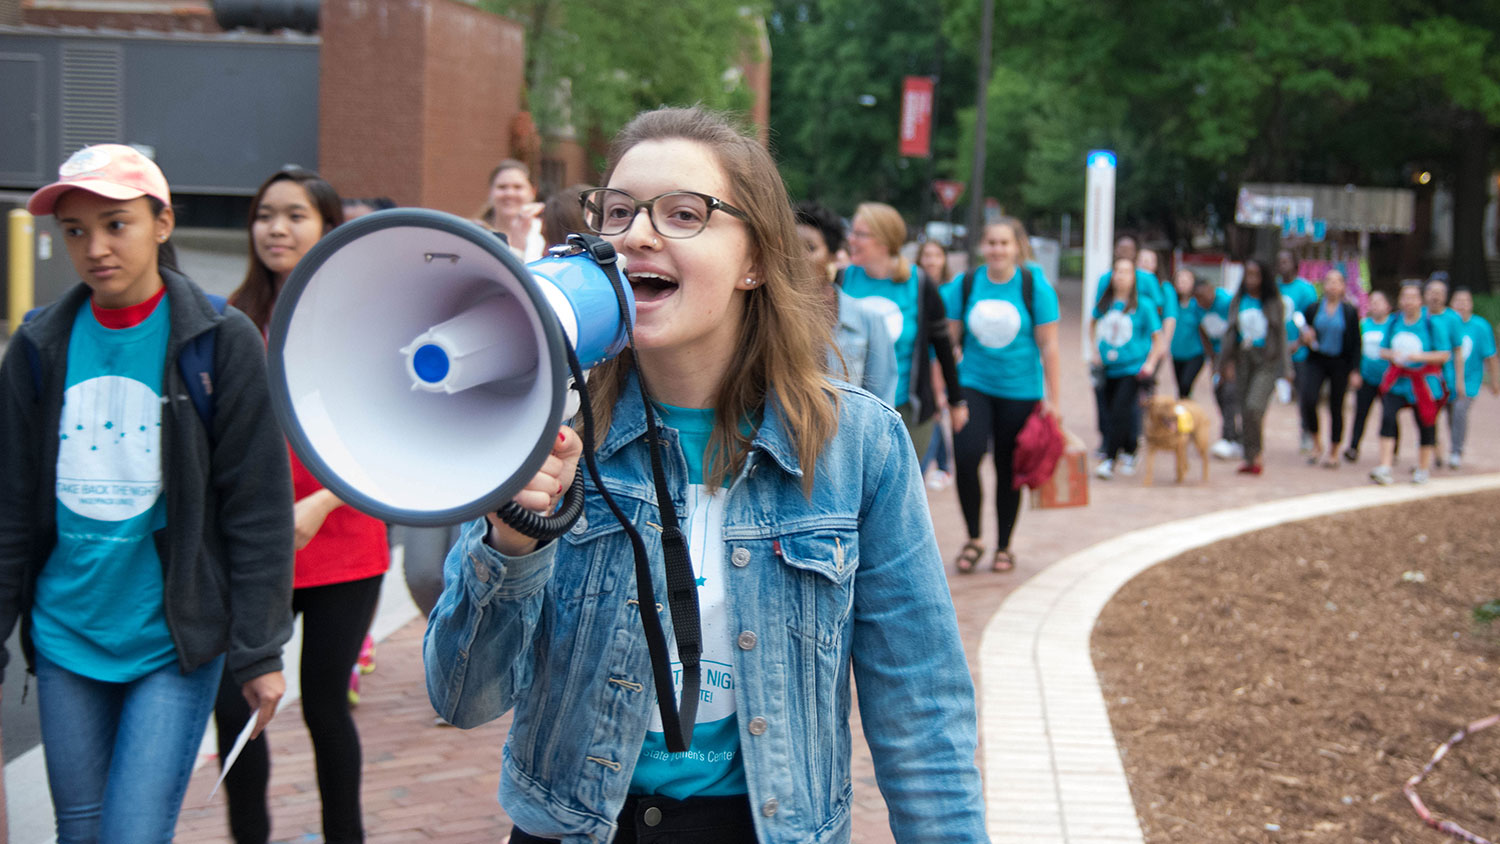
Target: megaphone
420, 370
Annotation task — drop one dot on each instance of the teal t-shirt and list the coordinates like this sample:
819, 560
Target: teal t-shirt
897, 305
98, 609
1405, 338
1125, 338
1453, 325
713, 767
1001, 357
1214, 320
1478, 346
1186, 343
1372, 366
1296, 296
1148, 289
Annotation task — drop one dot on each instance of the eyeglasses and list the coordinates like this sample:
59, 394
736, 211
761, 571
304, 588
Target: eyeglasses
677, 214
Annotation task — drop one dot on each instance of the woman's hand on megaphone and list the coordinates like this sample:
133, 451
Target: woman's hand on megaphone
541, 494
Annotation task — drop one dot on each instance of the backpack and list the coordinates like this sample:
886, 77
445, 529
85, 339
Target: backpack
195, 361
1028, 296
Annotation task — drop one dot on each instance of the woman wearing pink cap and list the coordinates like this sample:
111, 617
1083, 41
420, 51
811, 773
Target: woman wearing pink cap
145, 508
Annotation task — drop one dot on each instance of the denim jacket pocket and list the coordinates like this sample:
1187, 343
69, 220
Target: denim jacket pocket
824, 561
597, 549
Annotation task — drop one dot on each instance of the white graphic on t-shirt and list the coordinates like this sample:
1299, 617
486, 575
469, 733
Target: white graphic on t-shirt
1214, 325
994, 322
1404, 345
1466, 348
888, 311
1370, 343
1252, 325
1115, 329
1288, 307
109, 448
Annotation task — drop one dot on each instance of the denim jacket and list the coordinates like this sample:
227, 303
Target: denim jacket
850, 579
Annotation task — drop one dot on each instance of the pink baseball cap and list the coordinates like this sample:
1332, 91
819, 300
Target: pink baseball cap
113, 171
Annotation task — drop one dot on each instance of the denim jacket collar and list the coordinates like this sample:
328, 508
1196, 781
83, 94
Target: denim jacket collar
628, 423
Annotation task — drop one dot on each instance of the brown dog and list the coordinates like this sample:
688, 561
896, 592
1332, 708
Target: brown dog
1170, 424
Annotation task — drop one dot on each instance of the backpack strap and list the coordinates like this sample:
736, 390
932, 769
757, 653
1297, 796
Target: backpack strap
196, 364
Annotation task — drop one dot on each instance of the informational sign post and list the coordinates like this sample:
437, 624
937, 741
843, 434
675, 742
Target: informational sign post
1098, 230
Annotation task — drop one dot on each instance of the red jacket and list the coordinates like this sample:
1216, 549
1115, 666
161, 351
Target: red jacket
1038, 448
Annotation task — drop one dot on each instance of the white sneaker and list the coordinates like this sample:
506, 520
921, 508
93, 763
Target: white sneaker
1455, 460
1382, 475
937, 479
1105, 470
1127, 464
1308, 445
1223, 449
1419, 477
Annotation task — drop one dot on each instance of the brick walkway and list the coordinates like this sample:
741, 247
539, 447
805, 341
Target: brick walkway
425, 783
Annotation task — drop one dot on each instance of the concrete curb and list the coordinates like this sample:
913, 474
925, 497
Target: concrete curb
1053, 774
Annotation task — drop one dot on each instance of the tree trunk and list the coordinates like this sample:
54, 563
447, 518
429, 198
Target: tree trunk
1470, 177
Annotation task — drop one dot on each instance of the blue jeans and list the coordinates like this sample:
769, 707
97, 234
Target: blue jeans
119, 755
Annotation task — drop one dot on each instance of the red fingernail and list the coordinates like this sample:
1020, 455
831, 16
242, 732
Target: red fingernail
559, 487
561, 436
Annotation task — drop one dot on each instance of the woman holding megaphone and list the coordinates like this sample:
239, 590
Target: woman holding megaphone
812, 551
342, 554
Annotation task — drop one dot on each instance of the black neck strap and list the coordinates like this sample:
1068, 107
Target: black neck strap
682, 592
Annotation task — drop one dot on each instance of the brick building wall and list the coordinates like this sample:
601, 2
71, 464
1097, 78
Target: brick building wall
417, 99
159, 15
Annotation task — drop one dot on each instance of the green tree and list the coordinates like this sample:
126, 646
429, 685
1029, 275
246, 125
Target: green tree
592, 64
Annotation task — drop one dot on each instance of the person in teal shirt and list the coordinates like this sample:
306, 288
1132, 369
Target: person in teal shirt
1417, 347
1127, 349
915, 319
1150, 289
1372, 366
1298, 294
1010, 364
1435, 303
1477, 354
1254, 355
1191, 345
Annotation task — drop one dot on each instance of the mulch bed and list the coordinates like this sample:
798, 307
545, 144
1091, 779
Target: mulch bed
1282, 686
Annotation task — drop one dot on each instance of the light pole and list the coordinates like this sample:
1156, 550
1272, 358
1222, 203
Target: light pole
976, 175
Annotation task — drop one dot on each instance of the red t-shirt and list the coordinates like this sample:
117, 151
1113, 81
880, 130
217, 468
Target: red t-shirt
349, 546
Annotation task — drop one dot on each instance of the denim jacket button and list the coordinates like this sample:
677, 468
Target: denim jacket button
757, 726
747, 640
581, 525
652, 816
482, 572
769, 807
740, 557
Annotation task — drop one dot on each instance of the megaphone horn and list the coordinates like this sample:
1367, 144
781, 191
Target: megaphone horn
420, 370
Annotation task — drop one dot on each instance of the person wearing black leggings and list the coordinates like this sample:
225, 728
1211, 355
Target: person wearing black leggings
1371, 367
1008, 315
1330, 333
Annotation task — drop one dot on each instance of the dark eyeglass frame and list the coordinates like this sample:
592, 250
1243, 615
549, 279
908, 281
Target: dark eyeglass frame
712, 202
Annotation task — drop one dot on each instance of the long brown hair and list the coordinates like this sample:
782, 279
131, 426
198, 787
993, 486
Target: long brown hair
256, 295
783, 343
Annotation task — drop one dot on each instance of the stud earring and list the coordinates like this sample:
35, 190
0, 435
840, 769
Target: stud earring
750, 282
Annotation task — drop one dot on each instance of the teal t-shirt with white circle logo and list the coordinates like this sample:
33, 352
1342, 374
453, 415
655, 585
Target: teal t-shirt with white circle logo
99, 610
1001, 357
1125, 338
1408, 338
897, 305
1478, 346
1372, 366
1297, 296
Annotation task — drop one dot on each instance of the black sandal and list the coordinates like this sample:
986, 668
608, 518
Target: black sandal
1003, 561
968, 558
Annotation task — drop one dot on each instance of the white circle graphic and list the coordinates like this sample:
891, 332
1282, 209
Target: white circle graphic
1370, 343
1214, 325
1116, 328
994, 322
1252, 323
1466, 348
1290, 309
888, 311
1404, 345
109, 448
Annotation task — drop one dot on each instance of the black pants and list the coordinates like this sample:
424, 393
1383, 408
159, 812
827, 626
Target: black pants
1120, 401
662, 820
1364, 399
1390, 404
1317, 369
1186, 370
1227, 396
1300, 378
335, 619
993, 425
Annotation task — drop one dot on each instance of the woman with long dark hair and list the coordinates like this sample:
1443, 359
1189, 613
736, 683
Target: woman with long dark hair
808, 534
342, 554
1255, 355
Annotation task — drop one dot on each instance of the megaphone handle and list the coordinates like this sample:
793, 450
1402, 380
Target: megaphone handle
542, 527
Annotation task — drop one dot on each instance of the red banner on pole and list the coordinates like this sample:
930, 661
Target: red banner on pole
916, 117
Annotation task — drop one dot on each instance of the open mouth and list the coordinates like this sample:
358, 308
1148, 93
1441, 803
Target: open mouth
650, 287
